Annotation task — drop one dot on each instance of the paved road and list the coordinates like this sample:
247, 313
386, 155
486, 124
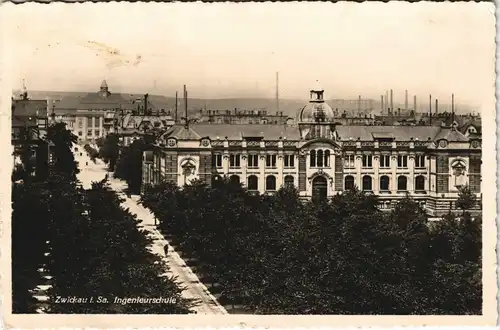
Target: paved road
177, 267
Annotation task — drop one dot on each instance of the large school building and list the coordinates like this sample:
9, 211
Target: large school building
321, 158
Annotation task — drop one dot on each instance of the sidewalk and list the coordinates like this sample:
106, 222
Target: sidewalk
185, 277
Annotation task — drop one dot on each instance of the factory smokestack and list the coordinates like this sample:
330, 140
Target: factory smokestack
437, 108
406, 100
277, 94
359, 103
452, 108
176, 119
415, 104
430, 109
392, 103
387, 101
185, 104
382, 104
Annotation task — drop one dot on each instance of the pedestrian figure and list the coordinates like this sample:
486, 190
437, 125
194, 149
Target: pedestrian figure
165, 248
87, 163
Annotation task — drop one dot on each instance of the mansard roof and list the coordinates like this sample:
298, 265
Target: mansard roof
399, 133
234, 132
292, 133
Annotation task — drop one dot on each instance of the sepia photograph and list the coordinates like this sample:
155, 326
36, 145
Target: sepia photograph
237, 162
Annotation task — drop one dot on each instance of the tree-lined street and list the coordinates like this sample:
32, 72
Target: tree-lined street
206, 302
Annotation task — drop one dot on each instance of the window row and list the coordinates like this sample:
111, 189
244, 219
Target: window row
253, 160
89, 133
253, 181
384, 183
319, 158
384, 161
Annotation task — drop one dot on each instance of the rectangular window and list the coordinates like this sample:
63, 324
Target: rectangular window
253, 161
79, 133
217, 160
402, 161
96, 132
89, 132
234, 160
270, 160
420, 161
289, 160
80, 123
367, 161
349, 161
385, 161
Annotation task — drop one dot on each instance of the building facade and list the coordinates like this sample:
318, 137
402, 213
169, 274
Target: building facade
321, 158
29, 131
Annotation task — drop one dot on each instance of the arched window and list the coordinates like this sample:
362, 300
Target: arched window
367, 183
271, 182
216, 179
384, 183
313, 158
253, 183
289, 181
402, 183
349, 182
319, 158
420, 183
327, 158
234, 179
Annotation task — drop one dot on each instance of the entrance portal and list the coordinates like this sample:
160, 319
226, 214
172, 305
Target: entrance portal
319, 189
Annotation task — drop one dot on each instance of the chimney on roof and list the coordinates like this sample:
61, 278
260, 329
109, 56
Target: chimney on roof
146, 103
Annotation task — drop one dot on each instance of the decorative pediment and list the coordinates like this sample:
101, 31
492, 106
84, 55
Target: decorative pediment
322, 173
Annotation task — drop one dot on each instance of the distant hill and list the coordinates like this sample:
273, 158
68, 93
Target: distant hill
288, 106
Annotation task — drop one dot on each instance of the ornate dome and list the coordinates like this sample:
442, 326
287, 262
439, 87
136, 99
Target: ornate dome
315, 112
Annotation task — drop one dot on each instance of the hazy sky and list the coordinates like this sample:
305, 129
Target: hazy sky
234, 50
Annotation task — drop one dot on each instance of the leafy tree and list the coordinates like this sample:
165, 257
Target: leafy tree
100, 252
277, 254
466, 199
129, 165
63, 140
110, 150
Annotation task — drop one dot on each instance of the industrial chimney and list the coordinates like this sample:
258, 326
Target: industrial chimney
277, 94
392, 103
430, 109
415, 104
185, 103
176, 119
387, 101
452, 108
359, 103
382, 104
437, 108
406, 100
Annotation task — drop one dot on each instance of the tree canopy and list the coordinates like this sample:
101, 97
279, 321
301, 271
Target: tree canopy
279, 255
